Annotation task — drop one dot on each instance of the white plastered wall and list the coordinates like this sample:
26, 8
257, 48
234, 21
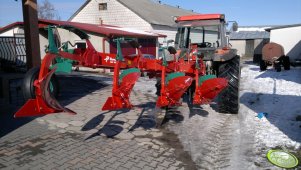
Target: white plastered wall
290, 39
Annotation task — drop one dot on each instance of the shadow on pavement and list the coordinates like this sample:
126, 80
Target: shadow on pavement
72, 87
282, 111
93, 123
8, 123
145, 121
194, 109
110, 129
8, 107
172, 114
197, 110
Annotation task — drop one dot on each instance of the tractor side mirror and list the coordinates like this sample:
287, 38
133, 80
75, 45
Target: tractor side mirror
170, 41
234, 26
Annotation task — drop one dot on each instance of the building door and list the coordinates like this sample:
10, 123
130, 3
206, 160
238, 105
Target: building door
148, 46
126, 48
249, 48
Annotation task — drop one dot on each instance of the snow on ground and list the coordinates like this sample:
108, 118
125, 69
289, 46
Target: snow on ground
279, 95
222, 141
146, 86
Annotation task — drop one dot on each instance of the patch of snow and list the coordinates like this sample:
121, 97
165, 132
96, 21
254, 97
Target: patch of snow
132, 30
279, 95
146, 86
252, 28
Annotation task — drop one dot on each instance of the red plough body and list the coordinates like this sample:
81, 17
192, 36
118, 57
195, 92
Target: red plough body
209, 90
172, 93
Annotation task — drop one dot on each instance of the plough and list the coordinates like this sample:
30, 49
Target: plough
186, 70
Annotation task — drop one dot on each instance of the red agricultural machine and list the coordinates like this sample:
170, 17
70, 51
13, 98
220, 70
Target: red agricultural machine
201, 64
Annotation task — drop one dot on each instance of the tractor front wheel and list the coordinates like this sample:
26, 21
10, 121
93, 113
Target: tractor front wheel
228, 99
29, 88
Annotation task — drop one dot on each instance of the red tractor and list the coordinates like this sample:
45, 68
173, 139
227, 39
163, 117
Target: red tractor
202, 65
205, 37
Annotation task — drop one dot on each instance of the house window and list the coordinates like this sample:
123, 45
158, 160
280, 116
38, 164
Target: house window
102, 6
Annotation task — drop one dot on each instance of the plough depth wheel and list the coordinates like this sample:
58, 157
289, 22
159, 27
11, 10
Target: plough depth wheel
43, 102
28, 87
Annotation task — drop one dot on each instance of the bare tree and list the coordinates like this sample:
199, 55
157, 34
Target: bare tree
47, 11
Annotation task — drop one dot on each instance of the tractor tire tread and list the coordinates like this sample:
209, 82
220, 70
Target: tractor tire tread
228, 99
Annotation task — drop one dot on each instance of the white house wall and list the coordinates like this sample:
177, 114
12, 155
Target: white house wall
66, 35
240, 45
290, 39
12, 32
43, 44
116, 14
97, 42
165, 30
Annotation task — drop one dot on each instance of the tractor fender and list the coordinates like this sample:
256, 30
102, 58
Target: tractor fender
224, 54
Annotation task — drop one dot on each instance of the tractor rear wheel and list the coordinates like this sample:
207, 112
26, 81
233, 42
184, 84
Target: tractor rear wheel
29, 88
228, 99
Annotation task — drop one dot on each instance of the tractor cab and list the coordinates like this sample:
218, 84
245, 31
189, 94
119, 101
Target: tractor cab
202, 34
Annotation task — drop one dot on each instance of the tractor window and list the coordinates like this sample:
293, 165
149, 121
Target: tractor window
196, 35
184, 34
202, 36
205, 35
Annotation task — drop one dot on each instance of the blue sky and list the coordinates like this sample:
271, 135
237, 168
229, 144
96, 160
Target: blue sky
245, 12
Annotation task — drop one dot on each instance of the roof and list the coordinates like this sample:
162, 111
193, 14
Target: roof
150, 11
257, 26
283, 26
12, 25
200, 17
254, 28
106, 30
245, 35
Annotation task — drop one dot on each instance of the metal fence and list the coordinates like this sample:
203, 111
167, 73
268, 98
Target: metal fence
13, 53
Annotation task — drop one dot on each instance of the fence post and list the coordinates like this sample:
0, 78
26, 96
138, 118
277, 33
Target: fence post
31, 29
